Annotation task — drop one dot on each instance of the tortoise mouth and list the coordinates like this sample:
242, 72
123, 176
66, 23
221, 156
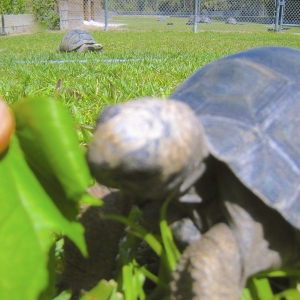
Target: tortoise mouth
142, 183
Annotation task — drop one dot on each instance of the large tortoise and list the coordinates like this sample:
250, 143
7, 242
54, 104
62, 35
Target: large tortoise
228, 148
78, 40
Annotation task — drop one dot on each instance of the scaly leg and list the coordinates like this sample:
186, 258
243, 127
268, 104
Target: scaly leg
210, 268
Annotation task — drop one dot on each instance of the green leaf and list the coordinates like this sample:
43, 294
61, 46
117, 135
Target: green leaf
153, 278
104, 290
139, 282
133, 275
117, 296
128, 282
88, 199
142, 232
173, 254
290, 294
47, 137
246, 294
259, 288
65, 295
28, 218
279, 273
84, 132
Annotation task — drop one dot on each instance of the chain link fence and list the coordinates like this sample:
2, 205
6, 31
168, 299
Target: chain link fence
179, 15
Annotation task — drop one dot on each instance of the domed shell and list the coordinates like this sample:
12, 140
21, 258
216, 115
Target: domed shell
74, 39
249, 106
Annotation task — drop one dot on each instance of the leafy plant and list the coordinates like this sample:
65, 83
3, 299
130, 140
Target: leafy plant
43, 177
259, 287
155, 63
46, 12
13, 6
130, 275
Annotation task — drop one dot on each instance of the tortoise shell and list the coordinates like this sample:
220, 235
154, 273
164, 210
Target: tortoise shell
204, 19
74, 39
249, 106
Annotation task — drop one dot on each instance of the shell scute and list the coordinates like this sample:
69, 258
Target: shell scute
248, 104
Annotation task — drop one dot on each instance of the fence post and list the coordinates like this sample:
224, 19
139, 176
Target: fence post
3, 25
89, 10
196, 16
279, 14
105, 15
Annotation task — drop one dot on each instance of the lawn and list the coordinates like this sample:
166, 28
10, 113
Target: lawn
180, 24
132, 64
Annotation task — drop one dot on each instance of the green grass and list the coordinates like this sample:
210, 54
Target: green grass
157, 62
177, 24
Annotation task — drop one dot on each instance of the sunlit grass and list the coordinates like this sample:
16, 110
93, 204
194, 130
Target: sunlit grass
155, 64
133, 64
179, 24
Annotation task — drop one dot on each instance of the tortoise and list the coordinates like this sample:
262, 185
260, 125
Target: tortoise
204, 19
191, 20
199, 19
226, 147
231, 20
78, 40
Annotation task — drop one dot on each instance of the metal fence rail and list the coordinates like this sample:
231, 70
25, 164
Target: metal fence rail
179, 15
184, 15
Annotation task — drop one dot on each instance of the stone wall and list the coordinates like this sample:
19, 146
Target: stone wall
17, 23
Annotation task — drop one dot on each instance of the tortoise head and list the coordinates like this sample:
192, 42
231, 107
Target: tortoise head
147, 147
97, 47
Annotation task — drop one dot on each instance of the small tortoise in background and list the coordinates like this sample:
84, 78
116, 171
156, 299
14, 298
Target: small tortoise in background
231, 21
199, 19
227, 146
78, 40
204, 19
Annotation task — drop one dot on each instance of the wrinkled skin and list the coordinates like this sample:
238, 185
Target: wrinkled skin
248, 237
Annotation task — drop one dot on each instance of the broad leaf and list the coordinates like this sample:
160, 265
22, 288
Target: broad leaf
28, 217
290, 294
104, 290
45, 130
65, 295
259, 288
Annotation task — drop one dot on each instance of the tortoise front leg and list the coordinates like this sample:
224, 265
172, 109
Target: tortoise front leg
254, 238
210, 268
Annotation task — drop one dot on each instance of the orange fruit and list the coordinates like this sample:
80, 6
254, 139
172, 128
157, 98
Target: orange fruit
7, 125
